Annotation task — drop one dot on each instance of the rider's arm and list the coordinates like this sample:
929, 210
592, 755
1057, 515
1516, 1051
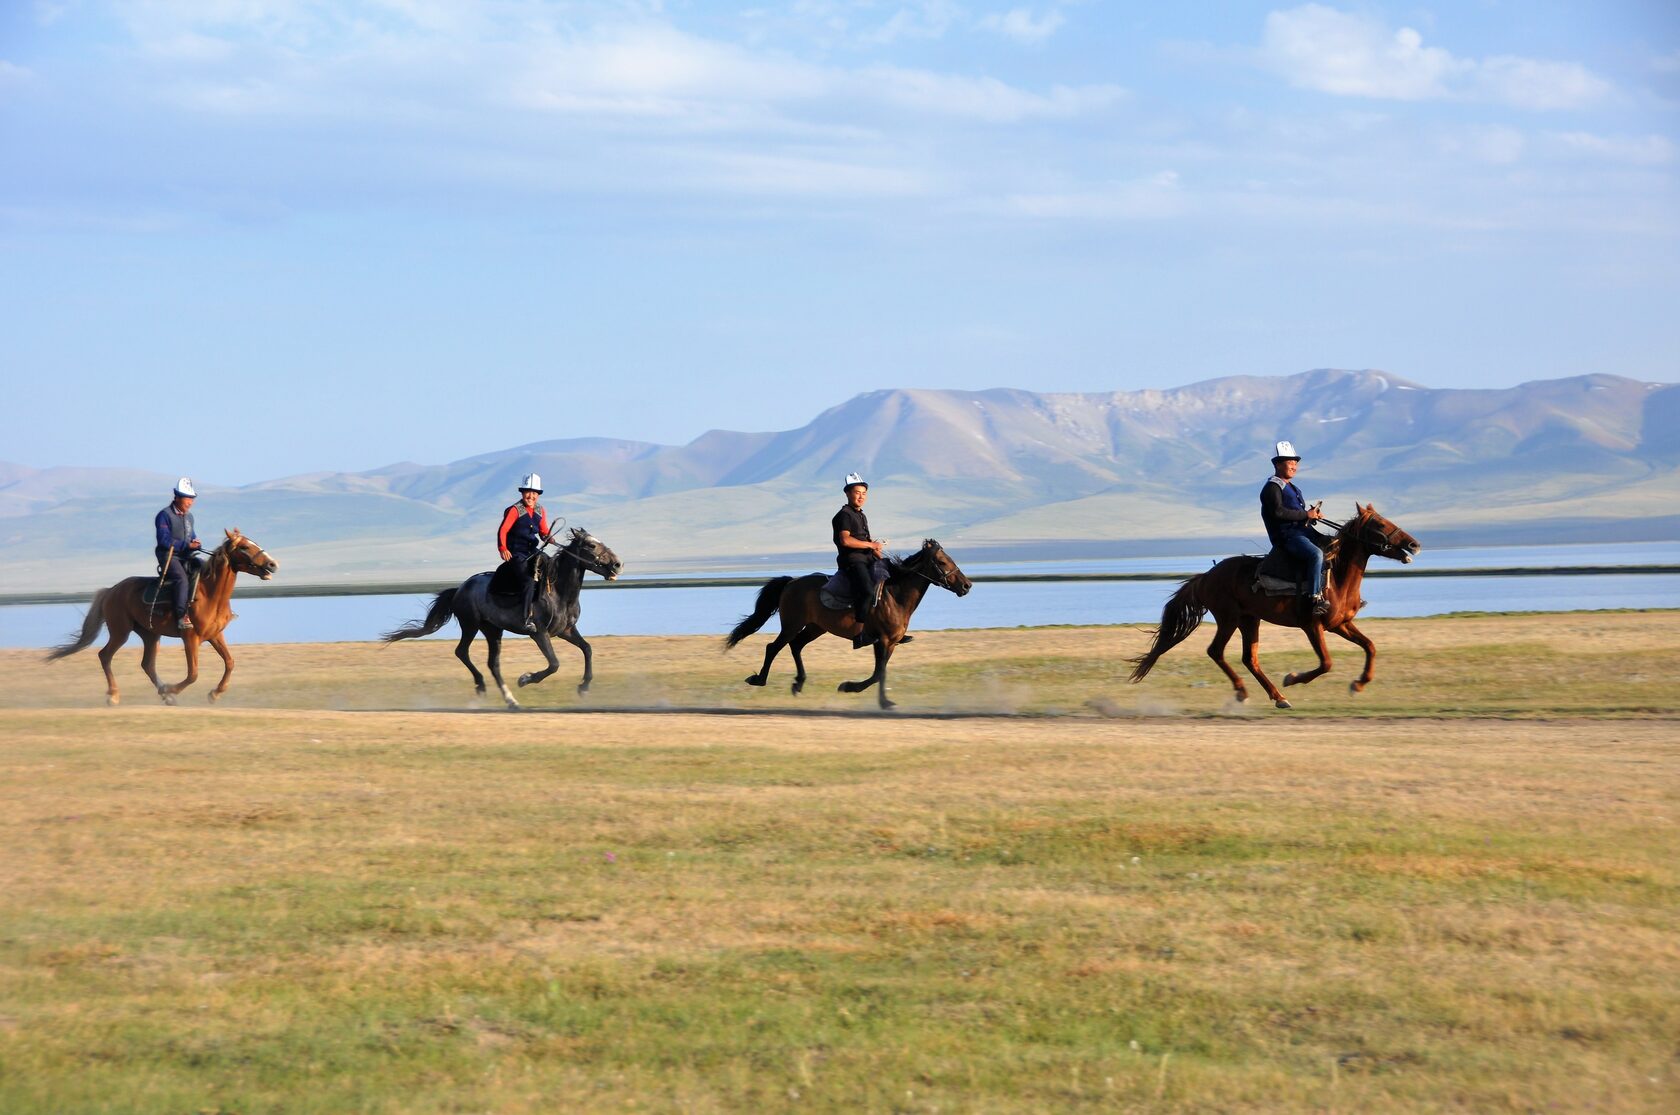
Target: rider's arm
508, 520
1271, 499
165, 538
847, 542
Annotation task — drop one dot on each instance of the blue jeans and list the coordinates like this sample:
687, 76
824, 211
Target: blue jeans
1306, 554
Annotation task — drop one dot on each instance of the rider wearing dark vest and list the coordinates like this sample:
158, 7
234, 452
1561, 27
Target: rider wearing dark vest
177, 547
1284, 511
857, 551
523, 531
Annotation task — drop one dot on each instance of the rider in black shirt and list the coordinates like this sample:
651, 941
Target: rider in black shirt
857, 551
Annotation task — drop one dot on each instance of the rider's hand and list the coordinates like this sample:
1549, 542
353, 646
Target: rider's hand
506, 554
1314, 514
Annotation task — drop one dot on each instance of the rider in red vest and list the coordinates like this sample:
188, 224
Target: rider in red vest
524, 529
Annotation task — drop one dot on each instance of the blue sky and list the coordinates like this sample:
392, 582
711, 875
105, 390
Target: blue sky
248, 238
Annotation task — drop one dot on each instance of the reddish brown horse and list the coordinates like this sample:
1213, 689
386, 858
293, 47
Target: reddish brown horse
123, 611
1227, 591
804, 618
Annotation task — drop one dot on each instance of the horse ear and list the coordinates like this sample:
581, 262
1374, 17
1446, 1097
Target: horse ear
233, 535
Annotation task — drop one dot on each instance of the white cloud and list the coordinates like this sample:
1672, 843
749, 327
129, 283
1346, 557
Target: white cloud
1154, 198
1022, 25
1528, 83
1648, 150
1334, 52
1320, 48
1493, 146
984, 99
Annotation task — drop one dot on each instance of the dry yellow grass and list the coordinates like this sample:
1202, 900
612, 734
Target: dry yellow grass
273, 907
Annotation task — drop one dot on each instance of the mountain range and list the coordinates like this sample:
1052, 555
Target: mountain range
996, 473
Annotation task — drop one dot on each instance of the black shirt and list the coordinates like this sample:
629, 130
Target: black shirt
856, 524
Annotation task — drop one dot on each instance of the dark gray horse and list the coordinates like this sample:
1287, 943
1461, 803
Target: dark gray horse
472, 603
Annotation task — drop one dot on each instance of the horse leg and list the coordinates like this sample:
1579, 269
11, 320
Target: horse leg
220, 644
467, 633
1358, 638
546, 645
493, 637
882, 652
189, 643
1251, 658
1216, 651
799, 642
148, 662
119, 636
770, 653
1315, 636
571, 636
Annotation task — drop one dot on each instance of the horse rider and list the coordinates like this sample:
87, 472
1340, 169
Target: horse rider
1287, 517
524, 529
857, 551
178, 549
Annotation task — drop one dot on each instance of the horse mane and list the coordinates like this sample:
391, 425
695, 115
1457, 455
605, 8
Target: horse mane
1348, 532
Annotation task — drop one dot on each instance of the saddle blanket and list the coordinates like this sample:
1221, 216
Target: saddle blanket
1277, 575
510, 577
836, 592
155, 593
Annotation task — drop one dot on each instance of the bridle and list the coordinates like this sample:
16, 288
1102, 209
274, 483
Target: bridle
944, 580
1380, 537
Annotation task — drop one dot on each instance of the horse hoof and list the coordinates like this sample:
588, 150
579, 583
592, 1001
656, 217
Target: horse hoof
1281, 703
889, 704
756, 679
112, 699
167, 698
797, 687
1356, 687
524, 680
845, 687
1289, 679
513, 705
479, 689
583, 688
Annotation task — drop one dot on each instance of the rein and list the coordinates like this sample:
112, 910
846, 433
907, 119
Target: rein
908, 568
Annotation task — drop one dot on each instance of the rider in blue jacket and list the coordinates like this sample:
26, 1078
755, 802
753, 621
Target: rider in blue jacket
1287, 517
178, 548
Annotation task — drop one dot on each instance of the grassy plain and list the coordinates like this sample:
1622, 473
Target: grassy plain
353, 888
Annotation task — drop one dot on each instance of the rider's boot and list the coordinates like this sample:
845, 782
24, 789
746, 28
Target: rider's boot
1321, 606
184, 622
865, 637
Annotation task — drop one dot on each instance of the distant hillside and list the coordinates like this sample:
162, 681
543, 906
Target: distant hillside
1590, 458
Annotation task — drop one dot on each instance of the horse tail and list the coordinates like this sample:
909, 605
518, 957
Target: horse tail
443, 606
769, 599
1178, 619
91, 623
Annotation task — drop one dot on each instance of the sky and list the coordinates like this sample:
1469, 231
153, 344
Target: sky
244, 239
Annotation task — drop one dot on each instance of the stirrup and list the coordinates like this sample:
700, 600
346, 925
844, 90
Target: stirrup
184, 623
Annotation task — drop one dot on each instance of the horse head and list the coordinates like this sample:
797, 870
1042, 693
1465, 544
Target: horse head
1382, 537
943, 571
593, 554
245, 556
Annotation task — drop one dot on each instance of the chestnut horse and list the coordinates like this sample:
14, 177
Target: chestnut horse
1227, 591
804, 618
122, 611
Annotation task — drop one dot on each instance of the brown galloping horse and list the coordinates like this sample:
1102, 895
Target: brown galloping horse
1227, 591
122, 610
804, 618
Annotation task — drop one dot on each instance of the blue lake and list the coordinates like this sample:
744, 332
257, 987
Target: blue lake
712, 611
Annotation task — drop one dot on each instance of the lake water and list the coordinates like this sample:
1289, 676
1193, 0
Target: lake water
713, 611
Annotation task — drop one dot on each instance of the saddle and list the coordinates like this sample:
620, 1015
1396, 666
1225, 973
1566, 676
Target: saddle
836, 592
153, 594
509, 579
1277, 574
